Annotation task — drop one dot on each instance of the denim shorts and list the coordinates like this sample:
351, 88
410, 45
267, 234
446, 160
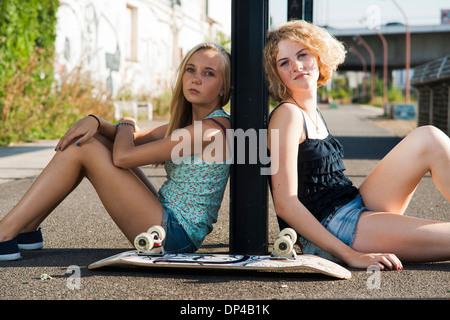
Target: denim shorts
342, 224
176, 240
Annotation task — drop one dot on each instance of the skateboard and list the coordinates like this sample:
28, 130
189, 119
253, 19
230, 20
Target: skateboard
150, 253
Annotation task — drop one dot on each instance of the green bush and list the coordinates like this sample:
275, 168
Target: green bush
24, 27
32, 105
161, 104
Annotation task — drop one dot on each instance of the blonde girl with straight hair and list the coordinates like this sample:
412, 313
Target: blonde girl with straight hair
180, 108
358, 226
109, 156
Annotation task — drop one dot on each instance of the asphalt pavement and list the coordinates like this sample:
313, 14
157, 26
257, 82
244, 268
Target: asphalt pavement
80, 232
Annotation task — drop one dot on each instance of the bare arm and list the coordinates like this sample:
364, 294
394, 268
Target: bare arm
128, 154
150, 135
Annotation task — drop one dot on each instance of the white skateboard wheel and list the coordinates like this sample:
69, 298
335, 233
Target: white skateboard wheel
283, 246
144, 242
158, 231
290, 233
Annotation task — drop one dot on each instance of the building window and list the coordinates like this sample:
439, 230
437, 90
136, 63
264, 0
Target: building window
132, 34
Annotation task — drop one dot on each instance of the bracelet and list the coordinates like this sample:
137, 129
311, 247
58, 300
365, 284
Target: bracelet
127, 124
91, 115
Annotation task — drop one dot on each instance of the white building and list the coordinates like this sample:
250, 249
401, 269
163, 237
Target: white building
132, 44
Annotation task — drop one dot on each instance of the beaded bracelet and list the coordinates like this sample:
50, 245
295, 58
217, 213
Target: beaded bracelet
91, 115
125, 123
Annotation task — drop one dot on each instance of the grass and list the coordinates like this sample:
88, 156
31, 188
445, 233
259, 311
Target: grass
31, 110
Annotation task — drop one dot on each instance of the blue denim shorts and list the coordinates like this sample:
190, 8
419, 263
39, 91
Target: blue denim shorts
176, 240
342, 224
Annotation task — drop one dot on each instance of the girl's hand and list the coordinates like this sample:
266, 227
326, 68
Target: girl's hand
385, 261
79, 133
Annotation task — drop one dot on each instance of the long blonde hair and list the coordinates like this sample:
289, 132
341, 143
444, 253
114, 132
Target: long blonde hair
329, 52
180, 108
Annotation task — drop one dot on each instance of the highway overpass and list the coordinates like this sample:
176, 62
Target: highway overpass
427, 43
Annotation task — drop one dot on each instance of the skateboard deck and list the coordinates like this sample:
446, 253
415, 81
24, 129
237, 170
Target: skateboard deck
301, 262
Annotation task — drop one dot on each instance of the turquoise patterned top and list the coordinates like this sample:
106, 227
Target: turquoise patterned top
194, 191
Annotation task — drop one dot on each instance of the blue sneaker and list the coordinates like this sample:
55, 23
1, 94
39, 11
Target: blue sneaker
30, 240
9, 250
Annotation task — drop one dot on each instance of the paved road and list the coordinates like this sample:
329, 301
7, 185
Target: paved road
80, 232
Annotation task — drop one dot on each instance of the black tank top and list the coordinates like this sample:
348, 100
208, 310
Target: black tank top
322, 185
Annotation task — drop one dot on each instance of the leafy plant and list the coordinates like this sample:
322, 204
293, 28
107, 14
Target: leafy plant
32, 104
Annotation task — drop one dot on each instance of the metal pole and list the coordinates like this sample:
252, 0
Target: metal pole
308, 10
372, 67
385, 66
364, 64
300, 9
407, 51
249, 112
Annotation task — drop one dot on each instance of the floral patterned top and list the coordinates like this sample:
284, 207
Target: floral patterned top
194, 191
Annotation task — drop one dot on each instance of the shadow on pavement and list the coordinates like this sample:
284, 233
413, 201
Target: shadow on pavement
369, 148
9, 151
61, 257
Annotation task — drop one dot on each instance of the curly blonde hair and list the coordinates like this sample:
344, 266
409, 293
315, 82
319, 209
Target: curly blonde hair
329, 52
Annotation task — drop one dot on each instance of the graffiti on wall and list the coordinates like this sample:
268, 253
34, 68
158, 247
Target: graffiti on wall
86, 40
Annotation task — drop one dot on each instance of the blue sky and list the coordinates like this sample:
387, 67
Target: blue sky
348, 13
351, 13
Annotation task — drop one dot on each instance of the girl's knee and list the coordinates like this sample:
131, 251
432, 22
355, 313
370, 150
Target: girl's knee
90, 148
430, 136
430, 131
432, 141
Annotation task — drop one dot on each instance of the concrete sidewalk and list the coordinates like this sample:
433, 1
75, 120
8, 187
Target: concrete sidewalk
80, 232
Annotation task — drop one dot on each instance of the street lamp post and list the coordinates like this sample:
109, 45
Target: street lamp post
385, 66
373, 22
364, 64
372, 67
407, 53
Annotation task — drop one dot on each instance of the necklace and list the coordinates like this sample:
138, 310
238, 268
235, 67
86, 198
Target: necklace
316, 123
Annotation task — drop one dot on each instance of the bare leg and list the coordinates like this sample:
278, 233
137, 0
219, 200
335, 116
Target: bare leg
409, 238
141, 175
388, 190
126, 198
390, 186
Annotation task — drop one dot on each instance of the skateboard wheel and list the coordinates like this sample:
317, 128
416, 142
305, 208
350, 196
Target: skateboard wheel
158, 231
144, 242
283, 246
290, 233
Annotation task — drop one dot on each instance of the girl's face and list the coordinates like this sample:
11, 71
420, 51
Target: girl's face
296, 66
202, 79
